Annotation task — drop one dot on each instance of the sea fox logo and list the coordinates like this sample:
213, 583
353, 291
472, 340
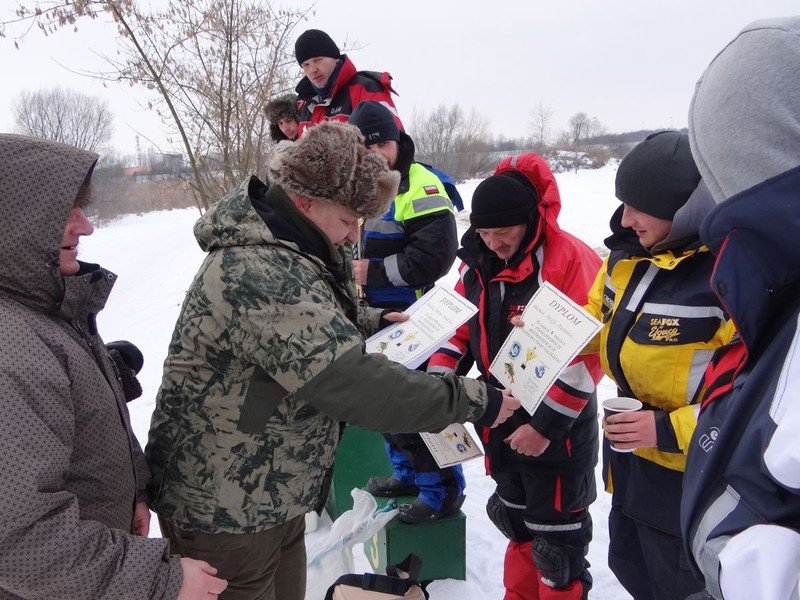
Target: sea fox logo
706, 441
665, 330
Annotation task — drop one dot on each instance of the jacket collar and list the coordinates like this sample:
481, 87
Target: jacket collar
754, 235
477, 256
86, 292
405, 158
288, 224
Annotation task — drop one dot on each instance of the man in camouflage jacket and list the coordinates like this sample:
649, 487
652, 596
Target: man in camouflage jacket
268, 357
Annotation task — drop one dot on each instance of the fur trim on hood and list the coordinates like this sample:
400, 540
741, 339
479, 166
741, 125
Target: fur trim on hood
330, 162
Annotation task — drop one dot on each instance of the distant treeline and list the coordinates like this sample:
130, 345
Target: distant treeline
629, 137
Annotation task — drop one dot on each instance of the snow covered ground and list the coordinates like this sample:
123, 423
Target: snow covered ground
156, 257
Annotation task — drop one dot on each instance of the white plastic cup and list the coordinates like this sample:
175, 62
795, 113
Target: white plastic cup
620, 405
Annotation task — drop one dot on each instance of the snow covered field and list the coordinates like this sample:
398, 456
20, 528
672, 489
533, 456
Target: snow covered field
156, 257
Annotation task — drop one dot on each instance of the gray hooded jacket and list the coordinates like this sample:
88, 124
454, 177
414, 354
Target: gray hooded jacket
740, 505
69, 462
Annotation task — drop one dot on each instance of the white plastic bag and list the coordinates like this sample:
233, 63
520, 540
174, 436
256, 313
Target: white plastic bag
332, 556
312, 522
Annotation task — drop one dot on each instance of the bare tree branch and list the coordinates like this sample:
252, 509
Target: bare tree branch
540, 126
451, 141
210, 64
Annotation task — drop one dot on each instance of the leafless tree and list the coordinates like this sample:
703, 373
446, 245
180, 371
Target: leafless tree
452, 141
64, 115
540, 126
211, 65
582, 127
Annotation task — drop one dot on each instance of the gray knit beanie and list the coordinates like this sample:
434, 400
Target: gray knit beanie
330, 162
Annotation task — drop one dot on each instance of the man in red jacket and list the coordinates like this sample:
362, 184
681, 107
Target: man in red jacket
543, 464
332, 87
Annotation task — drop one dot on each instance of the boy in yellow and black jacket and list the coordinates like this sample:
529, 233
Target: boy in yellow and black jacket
662, 323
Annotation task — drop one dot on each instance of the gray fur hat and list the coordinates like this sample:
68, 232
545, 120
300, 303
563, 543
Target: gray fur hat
277, 109
330, 162
281, 107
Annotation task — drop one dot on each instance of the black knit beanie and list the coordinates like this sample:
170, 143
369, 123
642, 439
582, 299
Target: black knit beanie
375, 122
502, 201
313, 43
658, 175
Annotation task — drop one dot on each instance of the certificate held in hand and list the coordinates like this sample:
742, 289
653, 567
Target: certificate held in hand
532, 357
433, 319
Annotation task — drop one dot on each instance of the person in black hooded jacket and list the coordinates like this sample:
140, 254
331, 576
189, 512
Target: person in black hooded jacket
404, 252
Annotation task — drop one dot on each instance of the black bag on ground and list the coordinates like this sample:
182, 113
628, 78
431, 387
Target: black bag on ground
399, 583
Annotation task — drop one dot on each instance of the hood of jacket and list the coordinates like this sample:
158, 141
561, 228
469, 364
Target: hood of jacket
744, 118
39, 181
537, 172
232, 221
405, 158
744, 128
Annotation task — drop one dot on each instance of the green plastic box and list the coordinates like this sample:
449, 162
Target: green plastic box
441, 544
361, 454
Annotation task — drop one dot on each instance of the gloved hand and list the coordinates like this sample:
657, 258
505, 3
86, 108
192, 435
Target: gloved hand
130, 354
128, 361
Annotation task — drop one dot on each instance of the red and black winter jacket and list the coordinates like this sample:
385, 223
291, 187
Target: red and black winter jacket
350, 88
500, 290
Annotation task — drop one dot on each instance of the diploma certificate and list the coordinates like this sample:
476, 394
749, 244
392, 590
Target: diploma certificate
533, 356
433, 320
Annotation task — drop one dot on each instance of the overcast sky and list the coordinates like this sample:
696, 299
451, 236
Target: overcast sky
631, 63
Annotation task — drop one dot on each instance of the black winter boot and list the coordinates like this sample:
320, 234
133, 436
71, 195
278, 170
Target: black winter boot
390, 487
419, 512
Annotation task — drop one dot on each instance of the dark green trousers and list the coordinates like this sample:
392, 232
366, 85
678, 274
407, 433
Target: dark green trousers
270, 565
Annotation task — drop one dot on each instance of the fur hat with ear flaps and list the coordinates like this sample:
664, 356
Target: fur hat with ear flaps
330, 162
281, 107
